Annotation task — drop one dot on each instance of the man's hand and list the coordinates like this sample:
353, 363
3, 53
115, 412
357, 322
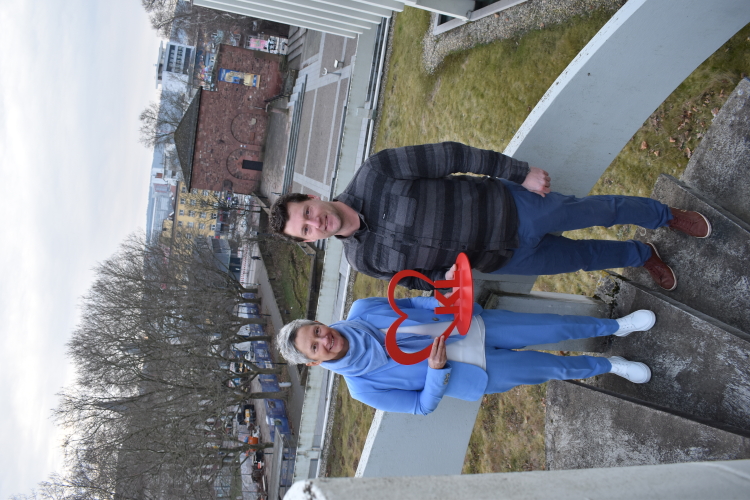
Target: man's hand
450, 273
438, 357
537, 181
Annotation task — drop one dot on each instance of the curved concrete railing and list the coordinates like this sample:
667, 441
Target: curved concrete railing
612, 86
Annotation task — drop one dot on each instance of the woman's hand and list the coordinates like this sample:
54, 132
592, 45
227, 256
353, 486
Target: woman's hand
438, 356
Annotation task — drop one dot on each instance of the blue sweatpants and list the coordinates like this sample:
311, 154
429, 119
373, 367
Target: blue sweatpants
542, 253
505, 330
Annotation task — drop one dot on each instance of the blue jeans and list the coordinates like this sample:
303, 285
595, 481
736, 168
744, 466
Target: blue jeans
505, 330
542, 253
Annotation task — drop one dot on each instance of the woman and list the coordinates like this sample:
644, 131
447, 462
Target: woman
463, 368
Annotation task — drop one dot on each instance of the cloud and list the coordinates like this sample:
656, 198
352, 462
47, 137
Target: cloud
75, 182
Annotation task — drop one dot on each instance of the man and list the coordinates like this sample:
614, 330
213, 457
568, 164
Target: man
488, 364
405, 210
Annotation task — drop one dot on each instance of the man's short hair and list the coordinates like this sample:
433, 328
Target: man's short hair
285, 341
280, 213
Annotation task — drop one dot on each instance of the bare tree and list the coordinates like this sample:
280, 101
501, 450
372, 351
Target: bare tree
160, 119
169, 15
147, 415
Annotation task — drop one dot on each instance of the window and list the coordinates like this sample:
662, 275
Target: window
192, 202
205, 192
189, 236
213, 227
190, 224
203, 215
191, 213
213, 215
182, 212
182, 201
179, 223
179, 234
183, 190
201, 225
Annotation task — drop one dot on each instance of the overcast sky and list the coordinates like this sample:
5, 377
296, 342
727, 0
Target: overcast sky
74, 182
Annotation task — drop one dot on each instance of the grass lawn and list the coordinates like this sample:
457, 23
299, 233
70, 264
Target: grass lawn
508, 435
481, 97
352, 423
290, 267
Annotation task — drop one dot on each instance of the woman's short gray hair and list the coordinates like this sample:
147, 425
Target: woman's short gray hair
285, 341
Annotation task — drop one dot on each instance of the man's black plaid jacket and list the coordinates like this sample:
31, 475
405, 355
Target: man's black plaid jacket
419, 216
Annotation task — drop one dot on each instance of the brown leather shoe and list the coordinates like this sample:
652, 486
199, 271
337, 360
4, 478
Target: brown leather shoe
690, 223
661, 273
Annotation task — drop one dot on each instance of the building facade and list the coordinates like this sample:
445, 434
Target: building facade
195, 216
221, 140
175, 66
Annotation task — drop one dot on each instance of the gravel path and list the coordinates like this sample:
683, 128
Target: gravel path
510, 23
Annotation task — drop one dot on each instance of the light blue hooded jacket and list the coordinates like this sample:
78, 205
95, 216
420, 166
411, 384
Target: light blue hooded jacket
380, 382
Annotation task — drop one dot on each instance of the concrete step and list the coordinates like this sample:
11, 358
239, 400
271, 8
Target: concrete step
296, 44
295, 49
720, 166
713, 275
700, 366
587, 428
297, 39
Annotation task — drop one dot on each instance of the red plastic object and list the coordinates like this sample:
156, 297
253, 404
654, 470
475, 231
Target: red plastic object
460, 304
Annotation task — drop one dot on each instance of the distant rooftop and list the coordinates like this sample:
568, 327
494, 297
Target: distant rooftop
184, 138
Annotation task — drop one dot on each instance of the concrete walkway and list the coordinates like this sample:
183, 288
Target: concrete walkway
322, 114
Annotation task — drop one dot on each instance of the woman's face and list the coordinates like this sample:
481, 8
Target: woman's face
321, 343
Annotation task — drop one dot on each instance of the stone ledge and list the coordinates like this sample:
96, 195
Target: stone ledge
699, 365
712, 273
724, 154
619, 432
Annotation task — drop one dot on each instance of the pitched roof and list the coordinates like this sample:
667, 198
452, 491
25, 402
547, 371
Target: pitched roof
184, 137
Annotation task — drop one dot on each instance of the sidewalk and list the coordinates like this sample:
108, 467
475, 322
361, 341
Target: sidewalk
296, 395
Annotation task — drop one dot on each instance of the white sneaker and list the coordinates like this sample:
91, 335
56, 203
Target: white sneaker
634, 371
639, 321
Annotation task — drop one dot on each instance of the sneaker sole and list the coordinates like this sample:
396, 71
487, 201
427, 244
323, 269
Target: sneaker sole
707, 224
673, 274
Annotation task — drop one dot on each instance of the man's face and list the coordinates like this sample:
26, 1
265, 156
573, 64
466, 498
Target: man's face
313, 219
321, 343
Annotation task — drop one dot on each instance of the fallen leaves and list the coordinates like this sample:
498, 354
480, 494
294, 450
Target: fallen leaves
644, 145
